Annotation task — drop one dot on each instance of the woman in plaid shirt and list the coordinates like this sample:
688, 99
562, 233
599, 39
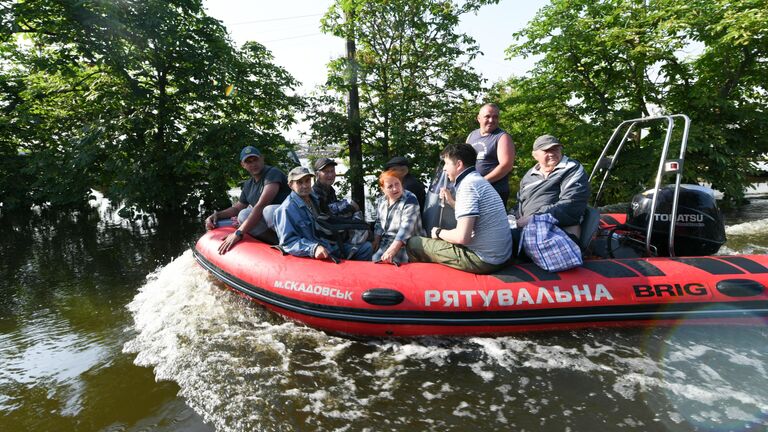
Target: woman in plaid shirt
399, 219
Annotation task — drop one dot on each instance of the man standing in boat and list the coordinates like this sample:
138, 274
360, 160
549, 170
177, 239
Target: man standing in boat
295, 221
267, 185
495, 150
481, 242
557, 185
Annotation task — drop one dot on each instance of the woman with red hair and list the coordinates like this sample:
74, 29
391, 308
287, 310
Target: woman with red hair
399, 219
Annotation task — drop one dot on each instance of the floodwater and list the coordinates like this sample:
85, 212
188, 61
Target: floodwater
107, 325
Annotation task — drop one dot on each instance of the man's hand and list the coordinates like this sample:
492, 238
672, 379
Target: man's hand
446, 196
433, 234
210, 221
389, 255
321, 252
228, 243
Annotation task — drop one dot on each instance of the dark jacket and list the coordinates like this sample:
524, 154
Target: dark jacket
412, 184
563, 194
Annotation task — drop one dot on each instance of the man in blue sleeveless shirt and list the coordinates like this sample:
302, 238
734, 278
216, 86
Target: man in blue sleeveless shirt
495, 150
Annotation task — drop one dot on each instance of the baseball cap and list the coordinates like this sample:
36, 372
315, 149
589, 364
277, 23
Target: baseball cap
545, 142
396, 161
299, 173
324, 162
249, 151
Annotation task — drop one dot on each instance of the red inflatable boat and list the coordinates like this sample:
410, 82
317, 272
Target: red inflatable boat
642, 271
368, 299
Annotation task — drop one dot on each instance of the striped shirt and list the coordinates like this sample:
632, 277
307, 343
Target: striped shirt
491, 237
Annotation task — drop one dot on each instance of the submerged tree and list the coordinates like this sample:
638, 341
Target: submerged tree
133, 98
413, 72
607, 61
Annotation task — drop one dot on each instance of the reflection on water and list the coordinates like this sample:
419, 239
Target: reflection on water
64, 284
89, 342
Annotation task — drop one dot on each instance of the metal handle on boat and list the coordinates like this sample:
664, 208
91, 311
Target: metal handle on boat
601, 164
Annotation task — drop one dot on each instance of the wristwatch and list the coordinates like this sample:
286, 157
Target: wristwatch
437, 233
239, 233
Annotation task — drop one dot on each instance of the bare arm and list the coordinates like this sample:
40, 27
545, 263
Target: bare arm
505, 152
232, 211
269, 194
462, 234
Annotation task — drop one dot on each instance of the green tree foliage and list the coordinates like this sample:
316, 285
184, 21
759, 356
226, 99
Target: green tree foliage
602, 62
130, 98
414, 77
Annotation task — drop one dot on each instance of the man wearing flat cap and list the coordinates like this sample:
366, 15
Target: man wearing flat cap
399, 165
266, 185
557, 185
329, 203
295, 221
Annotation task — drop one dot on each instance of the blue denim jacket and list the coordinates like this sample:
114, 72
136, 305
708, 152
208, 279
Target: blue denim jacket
295, 227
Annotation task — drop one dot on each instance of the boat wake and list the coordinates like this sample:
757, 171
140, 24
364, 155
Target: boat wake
243, 368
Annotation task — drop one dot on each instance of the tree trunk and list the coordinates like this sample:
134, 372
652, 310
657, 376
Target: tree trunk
355, 173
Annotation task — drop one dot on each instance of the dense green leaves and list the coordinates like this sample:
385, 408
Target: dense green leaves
413, 74
129, 98
602, 62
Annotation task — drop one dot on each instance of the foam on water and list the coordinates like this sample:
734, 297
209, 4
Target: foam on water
748, 228
243, 368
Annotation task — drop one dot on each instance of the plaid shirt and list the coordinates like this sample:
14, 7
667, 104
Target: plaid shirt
400, 221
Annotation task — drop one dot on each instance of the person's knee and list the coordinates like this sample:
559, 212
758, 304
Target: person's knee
243, 215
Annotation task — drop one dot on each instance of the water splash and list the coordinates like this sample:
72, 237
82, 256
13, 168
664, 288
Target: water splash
243, 368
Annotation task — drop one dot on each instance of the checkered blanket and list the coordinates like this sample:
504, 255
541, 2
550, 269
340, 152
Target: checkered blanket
548, 246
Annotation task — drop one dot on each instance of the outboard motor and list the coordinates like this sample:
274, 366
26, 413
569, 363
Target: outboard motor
699, 229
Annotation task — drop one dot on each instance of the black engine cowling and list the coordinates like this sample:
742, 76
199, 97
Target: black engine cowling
699, 229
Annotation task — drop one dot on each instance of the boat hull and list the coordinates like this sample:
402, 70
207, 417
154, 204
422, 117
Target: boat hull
418, 299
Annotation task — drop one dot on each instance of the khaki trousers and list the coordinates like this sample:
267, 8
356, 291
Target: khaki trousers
424, 249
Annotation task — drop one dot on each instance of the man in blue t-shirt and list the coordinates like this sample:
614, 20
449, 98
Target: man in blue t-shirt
481, 242
267, 185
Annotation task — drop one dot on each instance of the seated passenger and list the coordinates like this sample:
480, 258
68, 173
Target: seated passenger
399, 218
557, 185
325, 170
399, 165
295, 221
266, 185
481, 241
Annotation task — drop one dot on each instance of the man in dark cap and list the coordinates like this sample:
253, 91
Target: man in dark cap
557, 185
399, 165
325, 172
267, 185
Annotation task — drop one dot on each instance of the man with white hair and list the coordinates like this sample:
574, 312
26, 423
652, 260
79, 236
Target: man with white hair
557, 185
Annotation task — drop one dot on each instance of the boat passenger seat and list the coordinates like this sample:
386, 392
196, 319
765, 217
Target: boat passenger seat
589, 225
